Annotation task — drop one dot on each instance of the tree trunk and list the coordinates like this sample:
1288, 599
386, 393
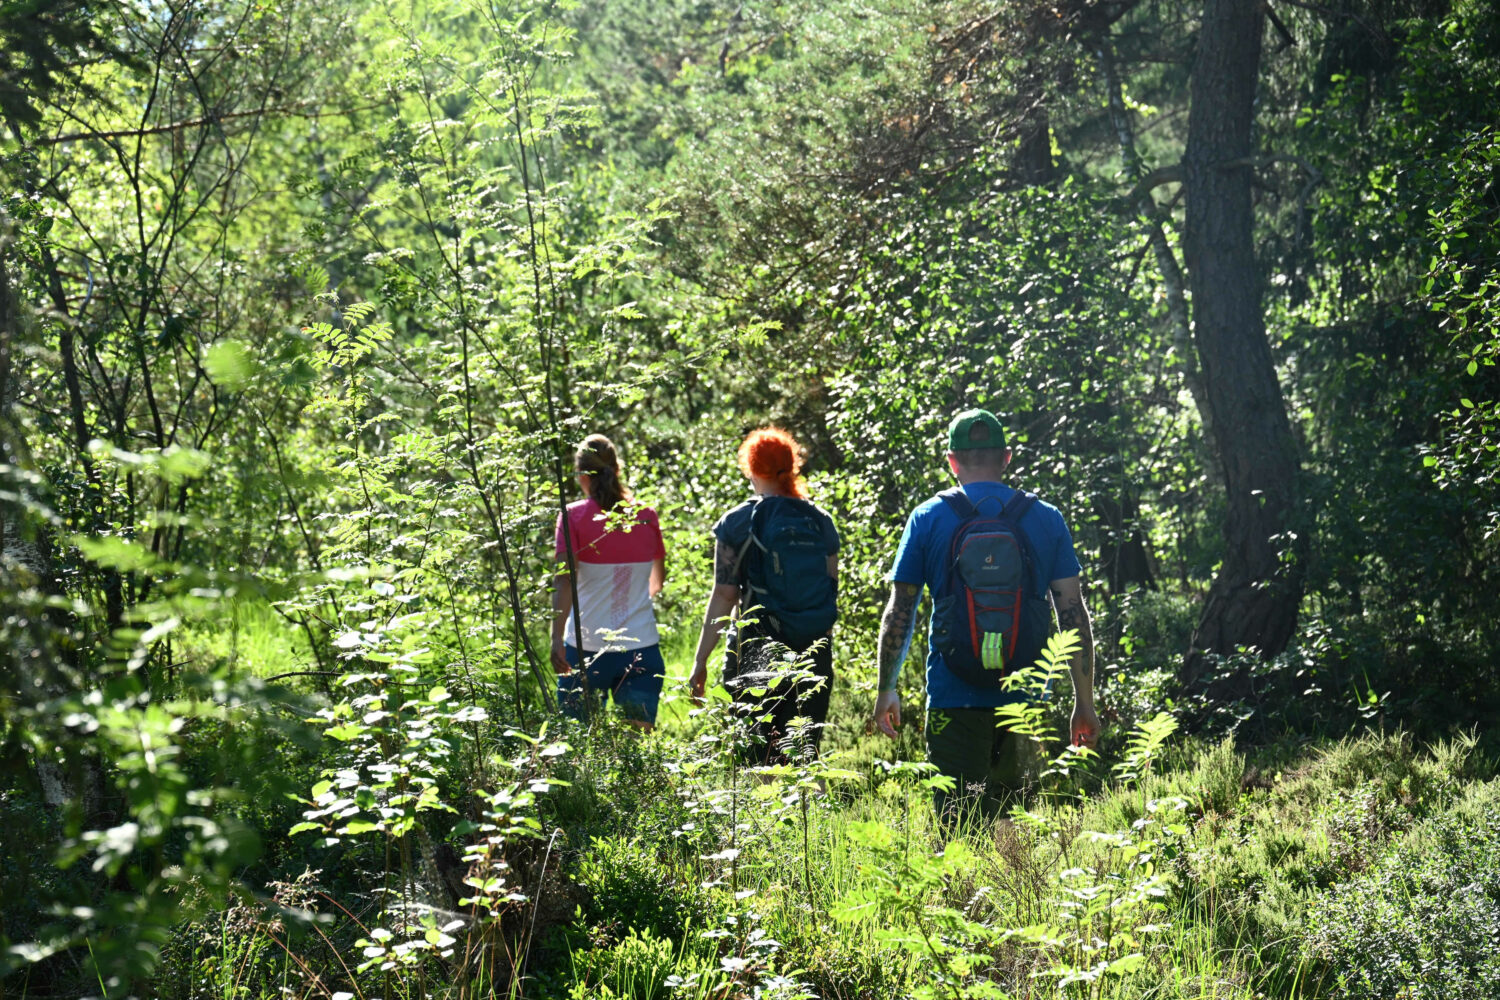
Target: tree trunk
1033, 157
1122, 549
21, 558
33, 666
1253, 601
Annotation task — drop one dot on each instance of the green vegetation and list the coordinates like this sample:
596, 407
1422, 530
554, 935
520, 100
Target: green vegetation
303, 308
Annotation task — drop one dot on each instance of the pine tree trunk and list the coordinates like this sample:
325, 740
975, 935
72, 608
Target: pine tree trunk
1253, 601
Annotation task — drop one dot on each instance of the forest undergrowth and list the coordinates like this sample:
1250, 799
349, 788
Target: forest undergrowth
423, 848
303, 308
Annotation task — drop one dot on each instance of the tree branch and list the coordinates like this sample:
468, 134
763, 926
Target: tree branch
289, 110
1151, 216
1287, 41
1169, 174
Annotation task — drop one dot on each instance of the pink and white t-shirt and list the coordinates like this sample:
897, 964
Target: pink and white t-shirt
614, 577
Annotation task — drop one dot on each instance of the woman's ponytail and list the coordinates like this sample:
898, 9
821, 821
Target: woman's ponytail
595, 458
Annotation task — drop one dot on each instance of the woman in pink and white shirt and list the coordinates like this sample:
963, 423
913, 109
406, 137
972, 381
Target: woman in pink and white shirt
621, 563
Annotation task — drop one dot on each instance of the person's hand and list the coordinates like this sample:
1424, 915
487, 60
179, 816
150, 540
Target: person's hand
1085, 727
560, 663
697, 680
887, 716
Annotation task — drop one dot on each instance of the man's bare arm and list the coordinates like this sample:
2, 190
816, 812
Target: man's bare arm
896, 626
1072, 613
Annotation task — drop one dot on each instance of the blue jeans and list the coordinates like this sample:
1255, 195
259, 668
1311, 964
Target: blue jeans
633, 677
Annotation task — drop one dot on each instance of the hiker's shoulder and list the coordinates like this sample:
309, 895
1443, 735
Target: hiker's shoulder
583, 511
1047, 511
830, 529
734, 526
928, 508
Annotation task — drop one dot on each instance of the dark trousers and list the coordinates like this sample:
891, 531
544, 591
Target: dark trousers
988, 764
774, 683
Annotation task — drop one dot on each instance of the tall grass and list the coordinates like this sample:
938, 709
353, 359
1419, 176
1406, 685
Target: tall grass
1189, 874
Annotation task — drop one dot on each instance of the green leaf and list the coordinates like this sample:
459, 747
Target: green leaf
229, 363
113, 552
179, 464
1126, 964
359, 826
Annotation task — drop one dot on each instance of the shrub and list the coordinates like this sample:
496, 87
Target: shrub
630, 886
1263, 860
615, 781
1423, 922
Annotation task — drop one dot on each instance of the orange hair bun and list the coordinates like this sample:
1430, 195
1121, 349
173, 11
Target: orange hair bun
771, 453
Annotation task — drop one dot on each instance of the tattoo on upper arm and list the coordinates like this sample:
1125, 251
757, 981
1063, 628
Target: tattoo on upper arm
726, 564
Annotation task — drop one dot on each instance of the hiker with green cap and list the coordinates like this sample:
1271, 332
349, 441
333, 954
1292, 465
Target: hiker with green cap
998, 562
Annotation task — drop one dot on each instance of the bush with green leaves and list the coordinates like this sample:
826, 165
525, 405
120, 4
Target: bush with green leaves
636, 967
1422, 923
1258, 866
631, 886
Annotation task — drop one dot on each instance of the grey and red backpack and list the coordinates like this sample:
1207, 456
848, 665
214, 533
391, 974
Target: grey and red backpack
991, 619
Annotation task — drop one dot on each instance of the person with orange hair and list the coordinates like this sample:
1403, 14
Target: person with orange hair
776, 560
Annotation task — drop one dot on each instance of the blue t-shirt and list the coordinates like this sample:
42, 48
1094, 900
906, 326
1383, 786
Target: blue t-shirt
922, 559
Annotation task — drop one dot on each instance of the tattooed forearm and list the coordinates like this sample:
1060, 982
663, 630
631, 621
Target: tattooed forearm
726, 564
896, 626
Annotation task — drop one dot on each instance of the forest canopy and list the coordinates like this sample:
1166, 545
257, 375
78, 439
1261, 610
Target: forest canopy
305, 307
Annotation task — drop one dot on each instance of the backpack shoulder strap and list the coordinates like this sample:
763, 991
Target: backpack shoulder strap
1017, 506
750, 539
958, 501
764, 507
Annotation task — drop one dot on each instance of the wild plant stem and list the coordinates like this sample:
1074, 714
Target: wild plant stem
806, 858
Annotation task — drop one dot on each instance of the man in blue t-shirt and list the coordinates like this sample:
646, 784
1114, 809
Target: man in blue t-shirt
963, 739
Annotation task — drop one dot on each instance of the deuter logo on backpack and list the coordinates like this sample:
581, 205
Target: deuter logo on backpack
787, 570
991, 618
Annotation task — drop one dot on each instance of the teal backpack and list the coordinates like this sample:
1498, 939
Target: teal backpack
784, 563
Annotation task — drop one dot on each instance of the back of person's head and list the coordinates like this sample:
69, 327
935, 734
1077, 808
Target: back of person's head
595, 458
976, 439
771, 453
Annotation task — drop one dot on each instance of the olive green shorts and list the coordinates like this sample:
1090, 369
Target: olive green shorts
991, 766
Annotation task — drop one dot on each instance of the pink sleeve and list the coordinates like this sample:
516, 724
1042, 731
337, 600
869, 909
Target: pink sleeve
560, 549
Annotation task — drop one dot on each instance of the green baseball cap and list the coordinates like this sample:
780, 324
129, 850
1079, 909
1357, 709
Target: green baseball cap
961, 436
